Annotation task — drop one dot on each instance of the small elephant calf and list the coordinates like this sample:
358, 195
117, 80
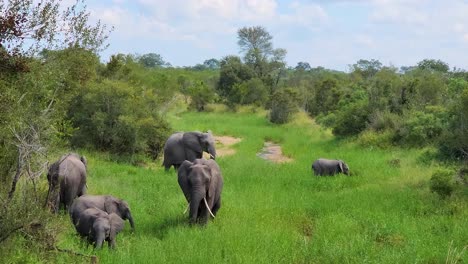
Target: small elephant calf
98, 226
329, 167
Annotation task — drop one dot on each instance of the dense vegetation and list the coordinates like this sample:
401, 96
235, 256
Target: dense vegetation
56, 96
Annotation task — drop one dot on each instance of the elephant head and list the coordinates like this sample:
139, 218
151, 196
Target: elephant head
201, 183
99, 226
119, 207
197, 142
67, 180
107, 228
343, 167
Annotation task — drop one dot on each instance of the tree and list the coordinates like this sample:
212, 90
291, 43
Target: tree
366, 68
256, 39
232, 71
433, 65
303, 66
28, 26
212, 64
152, 60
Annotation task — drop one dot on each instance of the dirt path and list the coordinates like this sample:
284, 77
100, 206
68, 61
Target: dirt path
273, 153
224, 146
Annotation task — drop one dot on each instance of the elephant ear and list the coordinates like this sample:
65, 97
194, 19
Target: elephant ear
191, 141
340, 165
215, 177
111, 205
85, 162
116, 224
182, 177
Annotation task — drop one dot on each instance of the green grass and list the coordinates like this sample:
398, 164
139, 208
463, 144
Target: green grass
275, 213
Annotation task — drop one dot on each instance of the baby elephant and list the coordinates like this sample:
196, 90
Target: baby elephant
329, 167
98, 226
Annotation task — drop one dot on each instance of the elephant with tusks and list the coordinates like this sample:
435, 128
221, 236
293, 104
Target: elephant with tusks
201, 182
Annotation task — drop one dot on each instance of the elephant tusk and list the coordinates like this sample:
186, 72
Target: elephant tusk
186, 209
207, 207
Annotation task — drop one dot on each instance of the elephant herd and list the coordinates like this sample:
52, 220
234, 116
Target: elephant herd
100, 218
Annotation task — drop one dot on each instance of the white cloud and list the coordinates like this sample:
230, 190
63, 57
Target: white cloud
309, 15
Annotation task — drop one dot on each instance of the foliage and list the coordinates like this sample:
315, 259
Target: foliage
422, 128
442, 183
152, 60
27, 27
454, 139
433, 65
105, 119
201, 95
283, 105
252, 91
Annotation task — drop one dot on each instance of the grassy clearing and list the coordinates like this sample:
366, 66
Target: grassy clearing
281, 213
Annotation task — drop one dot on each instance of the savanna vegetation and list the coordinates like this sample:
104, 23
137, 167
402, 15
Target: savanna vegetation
403, 132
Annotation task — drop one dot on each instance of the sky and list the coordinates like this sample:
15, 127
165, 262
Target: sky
333, 34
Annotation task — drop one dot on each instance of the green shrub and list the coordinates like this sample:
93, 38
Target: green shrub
326, 120
115, 117
283, 105
420, 128
370, 138
352, 119
442, 183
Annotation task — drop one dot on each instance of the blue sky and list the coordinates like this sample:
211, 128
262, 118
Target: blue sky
332, 34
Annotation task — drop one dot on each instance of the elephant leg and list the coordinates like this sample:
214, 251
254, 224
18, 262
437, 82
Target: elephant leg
176, 166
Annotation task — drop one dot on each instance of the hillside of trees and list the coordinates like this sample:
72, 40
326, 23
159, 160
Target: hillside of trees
57, 94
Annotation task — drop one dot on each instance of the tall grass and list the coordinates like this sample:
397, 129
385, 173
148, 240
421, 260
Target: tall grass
281, 213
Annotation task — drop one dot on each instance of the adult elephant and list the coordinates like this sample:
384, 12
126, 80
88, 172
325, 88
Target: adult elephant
67, 180
329, 167
189, 146
106, 203
98, 226
201, 182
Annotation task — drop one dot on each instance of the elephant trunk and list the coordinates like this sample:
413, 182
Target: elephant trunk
130, 219
196, 198
53, 198
212, 151
100, 236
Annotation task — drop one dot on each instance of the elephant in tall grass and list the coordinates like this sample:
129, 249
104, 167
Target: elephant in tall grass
329, 167
189, 146
67, 180
99, 226
202, 183
106, 203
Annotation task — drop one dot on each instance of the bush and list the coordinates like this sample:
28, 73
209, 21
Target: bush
114, 117
371, 138
420, 129
200, 95
252, 91
283, 106
352, 119
442, 183
326, 120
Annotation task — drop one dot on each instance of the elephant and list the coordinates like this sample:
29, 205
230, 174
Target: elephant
67, 180
98, 226
106, 203
201, 182
329, 167
189, 146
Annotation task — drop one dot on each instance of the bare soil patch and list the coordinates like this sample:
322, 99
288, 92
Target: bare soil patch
224, 146
272, 152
